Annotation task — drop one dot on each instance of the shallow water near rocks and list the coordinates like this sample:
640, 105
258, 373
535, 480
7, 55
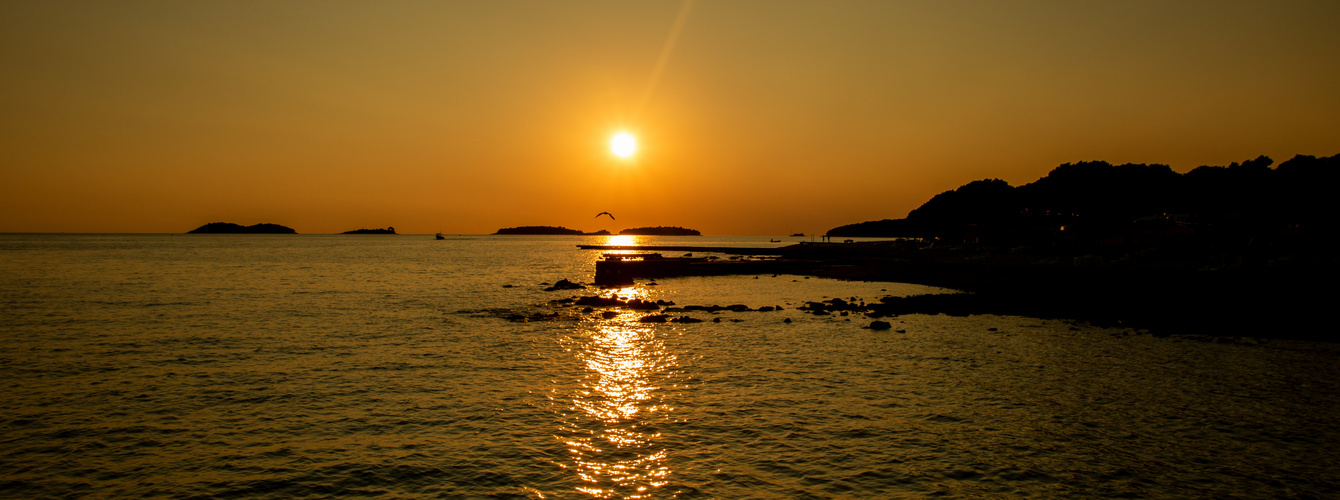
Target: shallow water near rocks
271, 366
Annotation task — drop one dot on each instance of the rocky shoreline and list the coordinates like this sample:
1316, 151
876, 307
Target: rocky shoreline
1165, 297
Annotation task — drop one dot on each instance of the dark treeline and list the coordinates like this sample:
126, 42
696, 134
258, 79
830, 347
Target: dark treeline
1096, 204
387, 230
539, 230
547, 230
661, 231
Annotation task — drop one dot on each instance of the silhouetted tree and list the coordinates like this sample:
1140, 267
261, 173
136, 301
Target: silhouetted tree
1097, 193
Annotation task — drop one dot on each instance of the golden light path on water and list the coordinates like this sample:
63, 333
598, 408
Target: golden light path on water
622, 240
610, 429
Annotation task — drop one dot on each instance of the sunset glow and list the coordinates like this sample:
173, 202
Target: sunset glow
790, 118
623, 145
638, 250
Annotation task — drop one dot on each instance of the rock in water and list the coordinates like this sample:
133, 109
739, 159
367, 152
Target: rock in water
564, 284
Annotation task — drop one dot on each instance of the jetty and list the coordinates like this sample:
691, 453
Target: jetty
621, 264
688, 249
622, 269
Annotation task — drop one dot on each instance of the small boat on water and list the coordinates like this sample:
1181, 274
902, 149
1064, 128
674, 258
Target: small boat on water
439, 237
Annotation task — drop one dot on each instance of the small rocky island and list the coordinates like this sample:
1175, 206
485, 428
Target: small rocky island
230, 228
661, 231
388, 230
549, 230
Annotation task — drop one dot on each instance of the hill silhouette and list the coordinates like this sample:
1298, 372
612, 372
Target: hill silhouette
1096, 202
1236, 250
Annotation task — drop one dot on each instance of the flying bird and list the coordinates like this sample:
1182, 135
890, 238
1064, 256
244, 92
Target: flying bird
605, 213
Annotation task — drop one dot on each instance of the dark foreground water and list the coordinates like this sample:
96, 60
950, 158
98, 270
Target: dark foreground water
197, 366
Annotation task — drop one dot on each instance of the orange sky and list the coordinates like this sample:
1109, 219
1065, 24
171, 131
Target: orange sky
768, 118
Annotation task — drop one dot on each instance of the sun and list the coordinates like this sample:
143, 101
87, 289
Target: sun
623, 145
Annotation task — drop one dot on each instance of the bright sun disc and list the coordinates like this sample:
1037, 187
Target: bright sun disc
623, 145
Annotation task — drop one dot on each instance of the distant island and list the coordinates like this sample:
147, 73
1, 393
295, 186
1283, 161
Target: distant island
549, 230
388, 230
661, 231
230, 228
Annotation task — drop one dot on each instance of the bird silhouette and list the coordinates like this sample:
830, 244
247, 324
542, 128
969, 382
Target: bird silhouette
605, 213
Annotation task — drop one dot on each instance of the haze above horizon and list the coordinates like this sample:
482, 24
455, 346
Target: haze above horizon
750, 117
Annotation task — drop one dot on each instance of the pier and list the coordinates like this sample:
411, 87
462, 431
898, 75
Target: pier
621, 269
618, 267
690, 249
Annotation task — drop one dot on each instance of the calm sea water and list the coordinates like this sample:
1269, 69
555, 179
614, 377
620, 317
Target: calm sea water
257, 366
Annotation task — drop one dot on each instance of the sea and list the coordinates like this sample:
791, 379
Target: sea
398, 367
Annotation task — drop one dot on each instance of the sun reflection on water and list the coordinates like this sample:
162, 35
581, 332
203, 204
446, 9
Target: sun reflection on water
612, 431
626, 293
622, 240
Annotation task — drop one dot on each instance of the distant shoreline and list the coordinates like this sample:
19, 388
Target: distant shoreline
388, 230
